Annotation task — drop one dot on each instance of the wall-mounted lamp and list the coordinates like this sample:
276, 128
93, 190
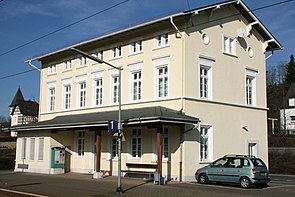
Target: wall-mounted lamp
245, 127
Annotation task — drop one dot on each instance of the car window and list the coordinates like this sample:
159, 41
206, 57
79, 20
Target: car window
220, 163
257, 162
246, 162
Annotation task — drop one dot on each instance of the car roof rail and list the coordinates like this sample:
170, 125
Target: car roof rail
235, 155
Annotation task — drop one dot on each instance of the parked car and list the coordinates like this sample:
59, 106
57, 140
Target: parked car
241, 169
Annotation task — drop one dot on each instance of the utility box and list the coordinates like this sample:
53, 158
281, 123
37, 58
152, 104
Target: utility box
158, 179
57, 160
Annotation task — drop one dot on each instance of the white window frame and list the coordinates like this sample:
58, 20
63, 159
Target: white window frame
99, 55
114, 73
98, 75
67, 65
81, 92
116, 52
254, 149
165, 135
82, 61
136, 85
24, 148
51, 98
250, 76
51, 69
162, 40
67, 96
41, 148
32, 149
136, 47
209, 138
138, 143
161, 63
80, 143
134, 69
229, 45
205, 64
114, 144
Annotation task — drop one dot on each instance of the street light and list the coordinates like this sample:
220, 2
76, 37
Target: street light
119, 188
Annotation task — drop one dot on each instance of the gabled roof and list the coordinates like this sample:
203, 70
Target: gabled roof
272, 42
27, 108
100, 119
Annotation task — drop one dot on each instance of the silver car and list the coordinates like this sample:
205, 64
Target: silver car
241, 169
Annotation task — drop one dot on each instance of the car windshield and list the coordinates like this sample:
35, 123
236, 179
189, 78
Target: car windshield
257, 162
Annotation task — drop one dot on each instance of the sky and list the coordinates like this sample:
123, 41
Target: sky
23, 22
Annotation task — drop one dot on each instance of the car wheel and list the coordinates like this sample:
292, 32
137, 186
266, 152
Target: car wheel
203, 179
245, 182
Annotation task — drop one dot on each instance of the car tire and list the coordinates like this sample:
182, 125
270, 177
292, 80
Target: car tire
245, 182
203, 179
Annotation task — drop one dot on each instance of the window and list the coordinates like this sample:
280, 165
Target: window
67, 65
67, 96
51, 99
41, 148
229, 45
204, 143
98, 91
32, 148
98, 55
24, 147
82, 61
250, 87
162, 40
51, 69
165, 144
136, 47
136, 86
116, 52
115, 89
205, 90
80, 143
162, 82
252, 148
114, 147
136, 143
82, 94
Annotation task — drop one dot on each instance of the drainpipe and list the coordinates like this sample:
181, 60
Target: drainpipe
32, 65
269, 55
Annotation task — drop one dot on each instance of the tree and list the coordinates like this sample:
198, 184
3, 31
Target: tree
290, 73
4, 121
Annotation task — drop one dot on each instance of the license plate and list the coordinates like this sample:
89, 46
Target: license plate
262, 174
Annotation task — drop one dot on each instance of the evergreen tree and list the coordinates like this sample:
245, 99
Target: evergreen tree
290, 73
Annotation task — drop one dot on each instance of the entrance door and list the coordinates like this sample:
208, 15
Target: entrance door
67, 159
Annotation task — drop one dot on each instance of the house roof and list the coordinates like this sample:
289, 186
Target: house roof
272, 42
137, 116
27, 108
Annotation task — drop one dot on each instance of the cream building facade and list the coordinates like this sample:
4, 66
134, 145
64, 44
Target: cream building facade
193, 90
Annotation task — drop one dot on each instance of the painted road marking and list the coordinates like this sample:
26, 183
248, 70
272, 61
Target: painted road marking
23, 193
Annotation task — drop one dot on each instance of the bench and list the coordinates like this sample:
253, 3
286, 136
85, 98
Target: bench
140, 173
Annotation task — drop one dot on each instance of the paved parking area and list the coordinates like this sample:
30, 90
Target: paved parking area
73, 184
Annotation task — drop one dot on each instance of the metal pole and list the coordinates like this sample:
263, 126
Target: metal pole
119, 188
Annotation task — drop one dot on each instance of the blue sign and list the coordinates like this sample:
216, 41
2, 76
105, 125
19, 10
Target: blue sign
113, 126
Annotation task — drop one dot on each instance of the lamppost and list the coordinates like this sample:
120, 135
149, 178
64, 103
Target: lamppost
119, 188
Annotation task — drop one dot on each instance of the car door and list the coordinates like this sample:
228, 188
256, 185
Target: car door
216, 170
232, 170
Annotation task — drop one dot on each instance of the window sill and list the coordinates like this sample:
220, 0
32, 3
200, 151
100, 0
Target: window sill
51, 74
135, 53
115, 58
161, 47
64, 71
205, 162
231, 55
82, 66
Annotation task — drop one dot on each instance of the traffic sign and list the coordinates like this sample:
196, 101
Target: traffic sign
113, 126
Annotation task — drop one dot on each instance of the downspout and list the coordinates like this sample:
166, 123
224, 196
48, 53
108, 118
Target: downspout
269, 55
181, 98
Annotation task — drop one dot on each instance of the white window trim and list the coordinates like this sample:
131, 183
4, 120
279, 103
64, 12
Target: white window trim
257, 146
234, 52
32, 149
252, 73
207, 64
65, 64
66, 82
113, 73
76, 143
81, 79
210, 143
134, 68
41, 151
80, 61
51, 69
137, 51
95, 54
165, 135
160, 62
112, 57
24, 144
156, 46
51, 85
129, 149
97, 76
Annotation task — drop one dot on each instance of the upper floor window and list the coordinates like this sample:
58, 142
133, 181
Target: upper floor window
229, 45
115, 89
250, 87
116, 52
136, 85
98, 91
51, 98
67, 65
162, 82
82, 61
136, 47
67, 96
162, 40
205, 78
98, 55
51, 69
82, 93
